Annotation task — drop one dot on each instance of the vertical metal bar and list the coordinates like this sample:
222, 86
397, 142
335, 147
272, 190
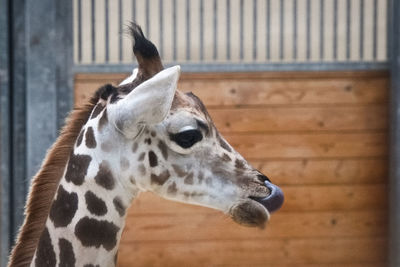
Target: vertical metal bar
361, 47
281, 29
294, 29
29, 121
389, 20
228, 29
348, 27
394, 145
375, 33
268, 26
5, 130
335, 28
93, 31
254, 29
308, 48
215, 25
79, 31
106, 21
18, 55
64, 60
188, 29
120, 44
201, 30
174, 37
161, 25
321, 30
147, 26
133, 10
241, 29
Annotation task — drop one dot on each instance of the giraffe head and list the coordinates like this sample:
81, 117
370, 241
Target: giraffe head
167, 143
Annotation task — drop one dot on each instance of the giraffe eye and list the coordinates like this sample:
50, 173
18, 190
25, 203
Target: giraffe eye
187, 139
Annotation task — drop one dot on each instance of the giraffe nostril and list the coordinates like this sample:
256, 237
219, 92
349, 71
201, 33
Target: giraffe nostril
263, 178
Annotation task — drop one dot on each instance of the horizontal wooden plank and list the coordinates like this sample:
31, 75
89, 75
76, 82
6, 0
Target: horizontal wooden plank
280, 119
285, 92
324, 171
334, 197
215, 226
304, 145
368, 264
297, 198
224, 90
251, 253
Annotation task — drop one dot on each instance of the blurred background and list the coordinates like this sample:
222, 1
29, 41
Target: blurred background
306, 90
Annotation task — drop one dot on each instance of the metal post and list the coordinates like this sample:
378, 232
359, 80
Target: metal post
4, 132
18, 188
394, 164
36, 86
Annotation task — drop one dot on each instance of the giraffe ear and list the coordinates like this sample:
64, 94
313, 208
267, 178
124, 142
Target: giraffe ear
149, 103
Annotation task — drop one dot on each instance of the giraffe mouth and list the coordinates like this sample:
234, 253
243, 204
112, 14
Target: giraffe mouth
274, 200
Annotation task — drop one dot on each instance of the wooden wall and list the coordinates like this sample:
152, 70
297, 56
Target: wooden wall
321, 136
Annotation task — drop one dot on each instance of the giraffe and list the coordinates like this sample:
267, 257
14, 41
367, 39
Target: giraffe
143, 135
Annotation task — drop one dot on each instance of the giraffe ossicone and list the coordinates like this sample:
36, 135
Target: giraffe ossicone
143, 135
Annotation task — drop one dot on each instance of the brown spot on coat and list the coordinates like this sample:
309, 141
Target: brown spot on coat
106, 146
45, 255
103, 120
134, 147
132, 179
77, 168
200, 177
153, 161
90, 139
141, 156
240, 166
104, 177
96, 111
189, 179
67, 256
119, 206
94, 204
225, 157
64, 207
153, 133
172, 189
96, 233
80, 138
142, 170
160, 179
223, 144
124, 164
147, 141
163, 148
178, 170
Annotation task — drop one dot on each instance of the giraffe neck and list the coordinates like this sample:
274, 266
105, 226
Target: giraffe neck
88, 212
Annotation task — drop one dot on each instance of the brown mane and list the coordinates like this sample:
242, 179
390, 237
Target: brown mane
45, 183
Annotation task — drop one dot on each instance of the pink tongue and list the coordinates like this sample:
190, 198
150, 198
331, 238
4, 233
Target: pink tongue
274, 201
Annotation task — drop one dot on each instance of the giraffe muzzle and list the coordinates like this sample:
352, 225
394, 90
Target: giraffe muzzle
274, 200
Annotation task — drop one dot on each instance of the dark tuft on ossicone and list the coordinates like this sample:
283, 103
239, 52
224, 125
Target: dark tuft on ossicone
147, 56
141, 45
